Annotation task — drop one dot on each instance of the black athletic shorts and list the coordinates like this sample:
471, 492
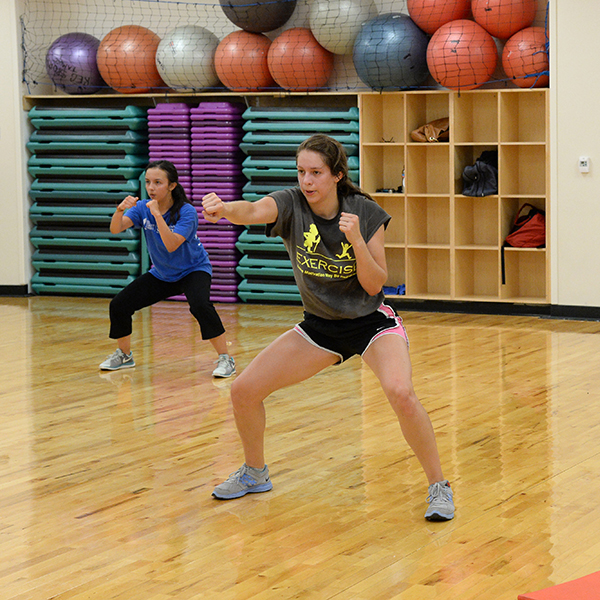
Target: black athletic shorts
347, 337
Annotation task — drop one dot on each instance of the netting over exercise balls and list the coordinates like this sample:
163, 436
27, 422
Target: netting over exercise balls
503, 18
127, 59
430, 15
298, 62
462, 55
525, 58
241, 61
71, 63
258, 17
390, 52
336, 23
185, 58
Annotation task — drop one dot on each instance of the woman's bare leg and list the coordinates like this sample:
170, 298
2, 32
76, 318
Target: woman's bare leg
389, 359
286, 361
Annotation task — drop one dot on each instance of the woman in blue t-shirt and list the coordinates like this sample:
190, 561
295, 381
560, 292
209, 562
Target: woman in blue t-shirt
180, 264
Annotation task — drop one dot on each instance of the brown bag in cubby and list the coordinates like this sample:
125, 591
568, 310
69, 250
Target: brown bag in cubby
435, 131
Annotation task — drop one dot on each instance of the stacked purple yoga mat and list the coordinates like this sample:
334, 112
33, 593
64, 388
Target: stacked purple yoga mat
216, 133
203, 143
169, 138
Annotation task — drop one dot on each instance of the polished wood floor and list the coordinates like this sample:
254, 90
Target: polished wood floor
106, 479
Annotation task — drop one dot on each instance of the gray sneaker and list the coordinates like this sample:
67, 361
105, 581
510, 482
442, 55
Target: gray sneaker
225, 366
118, 360
246, 480
441, 505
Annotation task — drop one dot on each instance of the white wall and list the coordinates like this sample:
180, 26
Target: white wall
575, 131
14, 227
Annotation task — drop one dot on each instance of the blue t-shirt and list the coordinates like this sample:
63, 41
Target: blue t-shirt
190, 256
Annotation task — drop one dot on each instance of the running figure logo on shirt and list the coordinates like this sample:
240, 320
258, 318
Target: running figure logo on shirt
345, 248
312, 263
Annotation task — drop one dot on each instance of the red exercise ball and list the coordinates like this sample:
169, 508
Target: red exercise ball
503, 18
127, 59
241, 61
430, 15
298, 62
461, 55
525, 54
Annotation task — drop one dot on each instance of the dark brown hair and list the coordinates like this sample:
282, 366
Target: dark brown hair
334, 156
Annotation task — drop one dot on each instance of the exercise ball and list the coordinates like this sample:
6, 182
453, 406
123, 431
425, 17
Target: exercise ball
430, 15
390, 51
71, 63
127, 59
241, 61
258, 17
525, 56
185, 58
461, 55
298, 62
336, 23
503, 18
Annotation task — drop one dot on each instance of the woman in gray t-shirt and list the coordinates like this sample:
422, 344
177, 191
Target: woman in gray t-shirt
334, 234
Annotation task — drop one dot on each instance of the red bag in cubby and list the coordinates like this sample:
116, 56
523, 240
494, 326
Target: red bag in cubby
528, 230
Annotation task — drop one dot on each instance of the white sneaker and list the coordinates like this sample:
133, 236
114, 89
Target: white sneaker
118, 360
225, 366
244, 481
441, 502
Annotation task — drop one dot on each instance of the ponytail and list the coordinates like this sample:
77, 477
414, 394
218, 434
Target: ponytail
179, 199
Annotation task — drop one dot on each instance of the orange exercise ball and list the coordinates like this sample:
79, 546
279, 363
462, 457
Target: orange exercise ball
430, 15
503, 18
127, 59
525, 56
461, 55
241, 61
298, 62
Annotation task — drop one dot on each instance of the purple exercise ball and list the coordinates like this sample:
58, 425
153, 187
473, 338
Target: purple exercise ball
71, 63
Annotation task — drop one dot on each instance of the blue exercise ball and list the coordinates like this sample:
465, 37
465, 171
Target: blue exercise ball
390, 51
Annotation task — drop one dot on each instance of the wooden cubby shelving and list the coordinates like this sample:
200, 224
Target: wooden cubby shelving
441, 244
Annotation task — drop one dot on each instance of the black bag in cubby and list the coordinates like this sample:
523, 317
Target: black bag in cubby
481, 179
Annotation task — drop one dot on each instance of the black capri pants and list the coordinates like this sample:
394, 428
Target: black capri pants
148, 290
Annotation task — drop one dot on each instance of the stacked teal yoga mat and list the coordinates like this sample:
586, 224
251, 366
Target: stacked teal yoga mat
83, 162
271, 137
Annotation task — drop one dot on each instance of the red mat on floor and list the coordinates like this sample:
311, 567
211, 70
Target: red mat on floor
585, 588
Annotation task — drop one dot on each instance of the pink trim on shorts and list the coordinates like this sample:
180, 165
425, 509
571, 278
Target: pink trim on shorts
397, 330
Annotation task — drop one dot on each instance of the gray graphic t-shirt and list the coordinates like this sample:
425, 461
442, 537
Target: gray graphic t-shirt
322, 258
